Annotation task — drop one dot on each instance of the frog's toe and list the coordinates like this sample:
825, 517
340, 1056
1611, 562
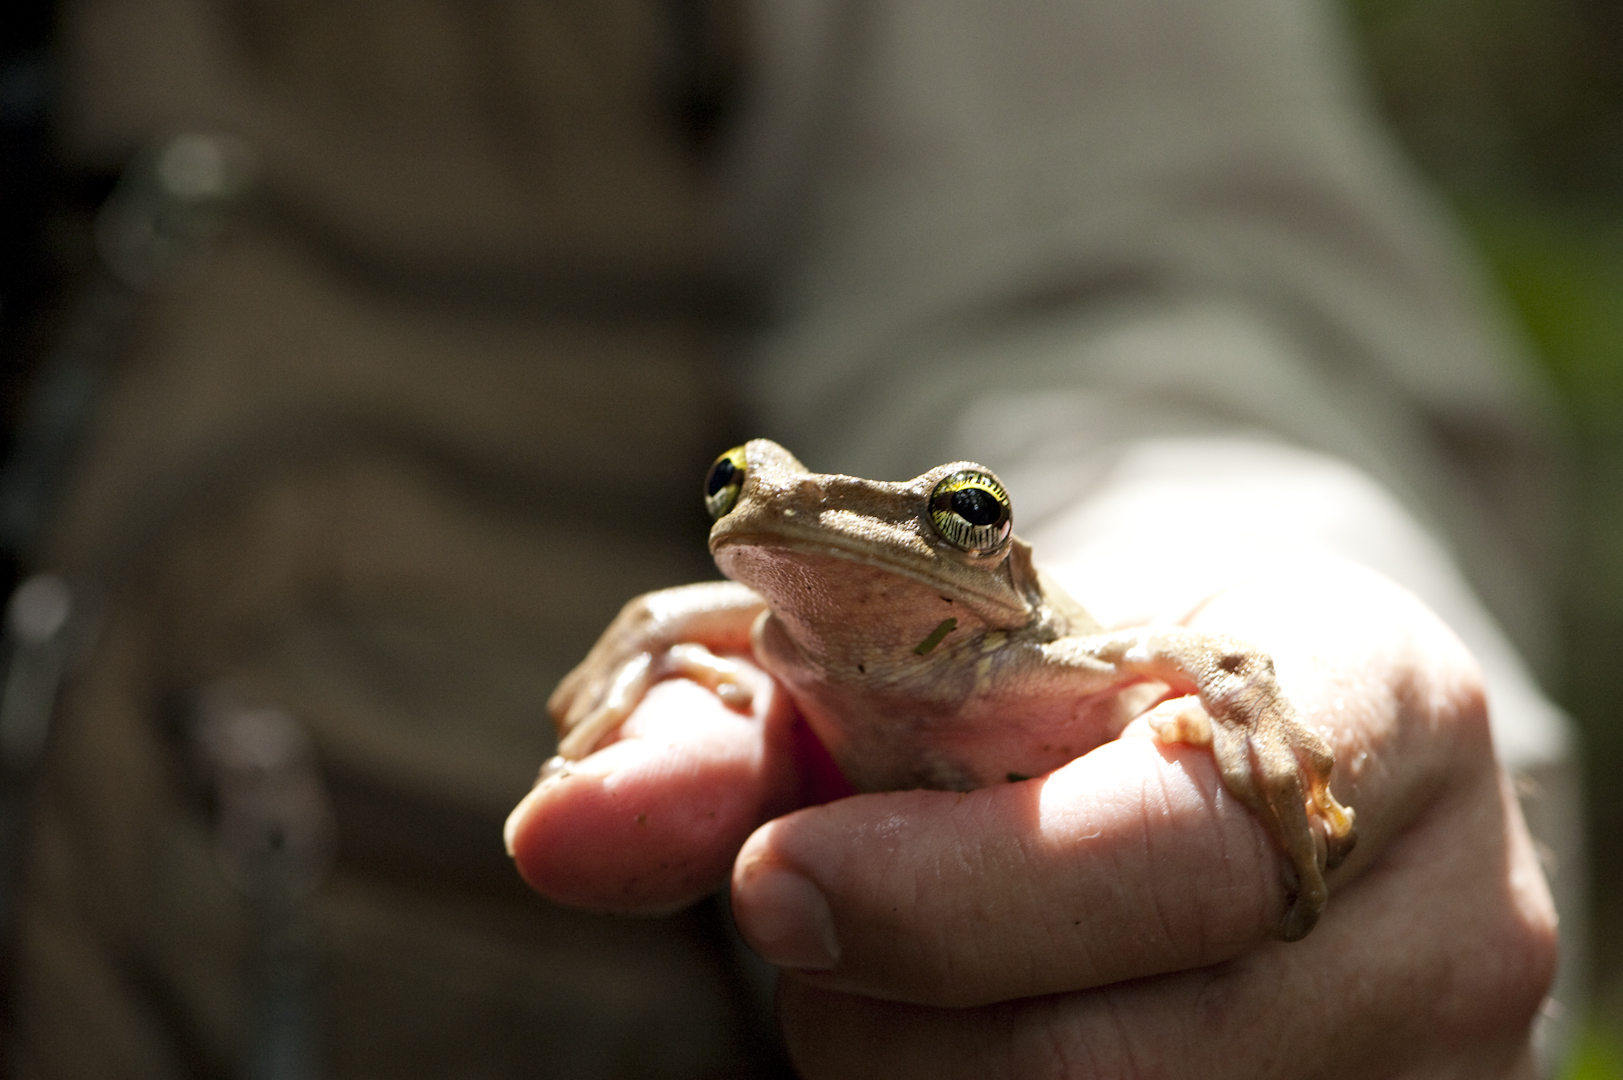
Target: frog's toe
1303, 871
1339, 824
1181, 720
593, 718
1308, 811
1301, 915
630, 683
718, 674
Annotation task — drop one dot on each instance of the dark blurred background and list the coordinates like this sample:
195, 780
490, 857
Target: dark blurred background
1515, 110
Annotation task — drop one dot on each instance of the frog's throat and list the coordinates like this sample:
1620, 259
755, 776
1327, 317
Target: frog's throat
1004, 610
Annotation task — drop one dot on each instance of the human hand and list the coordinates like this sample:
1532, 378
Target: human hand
1112, 918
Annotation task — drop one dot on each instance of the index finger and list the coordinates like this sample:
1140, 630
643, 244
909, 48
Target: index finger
1132, 860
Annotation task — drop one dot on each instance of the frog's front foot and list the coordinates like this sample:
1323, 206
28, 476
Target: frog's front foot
625, 689
1276, 765
660, 635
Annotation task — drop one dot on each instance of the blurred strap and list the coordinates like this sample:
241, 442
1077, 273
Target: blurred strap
274, 838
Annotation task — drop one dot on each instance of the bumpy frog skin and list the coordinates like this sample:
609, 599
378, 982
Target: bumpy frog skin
925, 650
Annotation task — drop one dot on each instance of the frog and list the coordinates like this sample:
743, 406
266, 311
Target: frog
924, 648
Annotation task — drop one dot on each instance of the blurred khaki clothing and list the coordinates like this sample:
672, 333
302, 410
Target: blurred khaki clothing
436, 405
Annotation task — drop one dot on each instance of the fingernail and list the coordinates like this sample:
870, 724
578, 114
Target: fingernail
786, 918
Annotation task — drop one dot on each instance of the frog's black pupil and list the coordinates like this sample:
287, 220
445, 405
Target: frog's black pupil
721, 474
976, 506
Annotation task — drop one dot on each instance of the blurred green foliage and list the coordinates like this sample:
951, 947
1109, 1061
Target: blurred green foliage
1504, 96
1599, 1057
1564, 272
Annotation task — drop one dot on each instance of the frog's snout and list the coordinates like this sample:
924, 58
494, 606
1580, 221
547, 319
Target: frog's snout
801, 498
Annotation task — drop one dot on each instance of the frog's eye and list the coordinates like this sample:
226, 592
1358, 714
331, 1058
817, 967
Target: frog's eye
971, 511
723, 483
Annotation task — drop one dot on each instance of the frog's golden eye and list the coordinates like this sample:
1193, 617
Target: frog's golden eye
723, 483
971, 511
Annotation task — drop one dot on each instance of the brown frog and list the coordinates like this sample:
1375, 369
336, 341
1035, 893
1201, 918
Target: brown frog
925, 649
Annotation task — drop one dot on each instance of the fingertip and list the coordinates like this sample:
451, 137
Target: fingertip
652, 821
651, 834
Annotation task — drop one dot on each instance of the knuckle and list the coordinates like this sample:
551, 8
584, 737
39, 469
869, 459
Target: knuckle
1496, 981
1511, 970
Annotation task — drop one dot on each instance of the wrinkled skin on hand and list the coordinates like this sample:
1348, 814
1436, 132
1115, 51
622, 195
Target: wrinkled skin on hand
1114, 917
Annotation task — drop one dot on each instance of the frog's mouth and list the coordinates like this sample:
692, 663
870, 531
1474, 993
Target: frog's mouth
1000, 606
